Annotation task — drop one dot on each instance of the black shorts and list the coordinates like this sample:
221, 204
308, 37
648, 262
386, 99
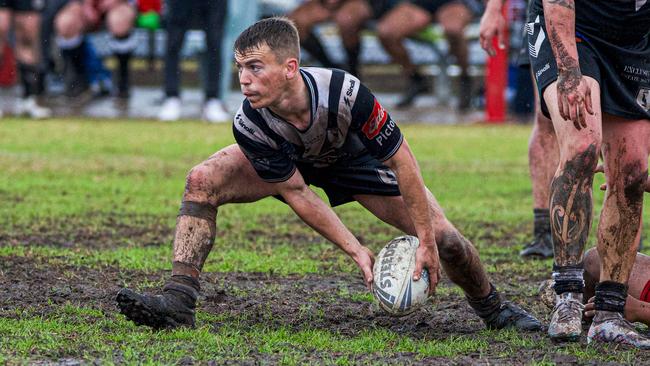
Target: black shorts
23, 5
623, 73
364, 175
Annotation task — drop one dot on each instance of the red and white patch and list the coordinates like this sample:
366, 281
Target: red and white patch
377, 119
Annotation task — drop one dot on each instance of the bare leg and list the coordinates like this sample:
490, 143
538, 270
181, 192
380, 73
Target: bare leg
5, 25
453, 18
350, 19
543, 160
459, 259
306, 16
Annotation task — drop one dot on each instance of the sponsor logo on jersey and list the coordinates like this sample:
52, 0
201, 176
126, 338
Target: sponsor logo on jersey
643, 98
387, 176
349, 92
377, 119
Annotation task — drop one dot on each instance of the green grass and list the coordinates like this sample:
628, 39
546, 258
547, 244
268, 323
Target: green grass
57, 175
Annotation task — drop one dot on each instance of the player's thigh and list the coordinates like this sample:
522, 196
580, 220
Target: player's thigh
5, 23
402, 21
309, 14
120, 19
569, 138
393, 211
626, 145
352, 15
454, 17
226, 177
27, 25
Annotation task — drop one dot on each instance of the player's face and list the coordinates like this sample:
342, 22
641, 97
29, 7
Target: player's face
261, 77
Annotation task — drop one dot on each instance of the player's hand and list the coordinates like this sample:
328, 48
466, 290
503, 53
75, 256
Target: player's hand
629, 312
492, 25
365, 259
426, 257
603, 187
574, 97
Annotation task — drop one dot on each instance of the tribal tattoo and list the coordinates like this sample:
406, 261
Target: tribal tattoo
571, 207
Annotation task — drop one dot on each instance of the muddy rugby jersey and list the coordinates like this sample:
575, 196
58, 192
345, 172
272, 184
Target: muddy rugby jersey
346, 123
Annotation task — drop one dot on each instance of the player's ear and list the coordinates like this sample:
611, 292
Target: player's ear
292, 68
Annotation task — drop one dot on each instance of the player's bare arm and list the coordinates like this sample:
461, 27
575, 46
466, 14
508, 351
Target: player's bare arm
493, 24
411, 185
573, 93
319, 216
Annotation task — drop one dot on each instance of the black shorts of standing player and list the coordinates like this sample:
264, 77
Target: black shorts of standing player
23, 5
362, 175
622, 72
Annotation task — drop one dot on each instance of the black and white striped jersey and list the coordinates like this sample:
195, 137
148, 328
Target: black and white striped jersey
347, 121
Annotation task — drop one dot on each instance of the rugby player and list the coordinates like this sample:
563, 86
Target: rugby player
543, 152
26, 19
590, 62
301, 126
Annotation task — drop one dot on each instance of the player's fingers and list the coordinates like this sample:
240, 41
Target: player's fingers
417, 272
603, 187
500, 38
590, 313
588, 103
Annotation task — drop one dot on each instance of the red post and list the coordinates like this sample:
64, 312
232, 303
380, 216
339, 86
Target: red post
496, 78
7, 67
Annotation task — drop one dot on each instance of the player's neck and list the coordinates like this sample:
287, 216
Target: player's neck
294, 105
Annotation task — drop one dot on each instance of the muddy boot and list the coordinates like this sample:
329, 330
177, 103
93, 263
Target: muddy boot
498, 314
174, 308
566, 320
611, 327
540, 248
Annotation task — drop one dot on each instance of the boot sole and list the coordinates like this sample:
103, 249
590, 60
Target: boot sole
131, 305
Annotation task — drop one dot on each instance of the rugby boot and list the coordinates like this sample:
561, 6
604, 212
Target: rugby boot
611, 327
174, 308
540, 248
566, 320
498, 314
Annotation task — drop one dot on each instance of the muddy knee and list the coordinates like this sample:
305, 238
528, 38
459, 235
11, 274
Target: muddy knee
453, 247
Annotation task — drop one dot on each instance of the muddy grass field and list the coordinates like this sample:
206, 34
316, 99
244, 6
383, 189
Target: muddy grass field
89, 207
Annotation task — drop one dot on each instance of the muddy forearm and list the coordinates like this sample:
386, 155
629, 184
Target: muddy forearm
560, 24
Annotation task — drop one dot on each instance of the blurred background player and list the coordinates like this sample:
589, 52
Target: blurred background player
410, 17
543, 151
349, 15
77, 17
181, 14
26, 18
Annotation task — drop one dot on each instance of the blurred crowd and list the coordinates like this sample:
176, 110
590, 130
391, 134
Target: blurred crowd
51, 37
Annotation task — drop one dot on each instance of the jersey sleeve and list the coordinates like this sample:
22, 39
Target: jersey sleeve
267, 158
374, 126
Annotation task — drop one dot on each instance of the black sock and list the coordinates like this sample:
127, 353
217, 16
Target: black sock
123, 60
353, 59
315, 48
73, 57
542, 221
31, 79
568, 278
610, 296
486, 306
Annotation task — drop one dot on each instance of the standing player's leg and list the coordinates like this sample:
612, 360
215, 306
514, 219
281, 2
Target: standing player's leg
571, 209
454, 17
27, 24
179, 14
402, 21
120, 21
626, 145
459, 259
306, 16
543, 159
69, 26
213, 107
226, 177
351, 18
5, 23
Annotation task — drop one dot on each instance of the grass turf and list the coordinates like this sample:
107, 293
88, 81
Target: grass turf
67, 175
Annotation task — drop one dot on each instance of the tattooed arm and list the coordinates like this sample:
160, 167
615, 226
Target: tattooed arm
493, 24
573, 93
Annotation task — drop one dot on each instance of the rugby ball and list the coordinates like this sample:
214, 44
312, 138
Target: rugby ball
393, 285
